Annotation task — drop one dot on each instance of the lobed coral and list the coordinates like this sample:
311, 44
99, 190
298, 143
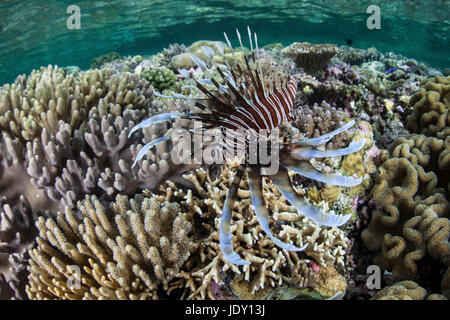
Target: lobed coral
431, 108
412, 221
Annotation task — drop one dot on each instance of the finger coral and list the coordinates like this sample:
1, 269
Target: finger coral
318, 120
17, 236
96, 158
124, 249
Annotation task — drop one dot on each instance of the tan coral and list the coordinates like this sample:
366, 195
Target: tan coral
431, 106
124, 250
413, 216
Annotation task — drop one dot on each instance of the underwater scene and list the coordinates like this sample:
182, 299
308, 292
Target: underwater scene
225, 150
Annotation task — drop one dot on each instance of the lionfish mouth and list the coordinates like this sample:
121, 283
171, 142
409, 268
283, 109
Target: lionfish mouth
243, 101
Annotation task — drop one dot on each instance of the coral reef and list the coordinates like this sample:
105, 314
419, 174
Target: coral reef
71, 198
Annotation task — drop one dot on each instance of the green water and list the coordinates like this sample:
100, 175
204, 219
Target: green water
34, 33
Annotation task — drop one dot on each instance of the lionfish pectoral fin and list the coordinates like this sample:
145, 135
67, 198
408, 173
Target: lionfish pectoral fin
309, 153
326, 137
199, 62
255, 183
147, 147
282, 182
225, 236
159, 118
307, 170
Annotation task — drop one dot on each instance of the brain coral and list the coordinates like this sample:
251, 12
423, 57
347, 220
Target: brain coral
413, 217
431, 108
124, 249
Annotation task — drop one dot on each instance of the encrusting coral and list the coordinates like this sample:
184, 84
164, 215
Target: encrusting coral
99, 61
123, 250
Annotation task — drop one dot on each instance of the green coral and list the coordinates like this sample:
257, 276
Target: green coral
161, 79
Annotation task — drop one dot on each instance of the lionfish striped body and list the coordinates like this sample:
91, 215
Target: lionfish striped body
246, 102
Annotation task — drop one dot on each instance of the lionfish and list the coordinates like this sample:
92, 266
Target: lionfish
245, 101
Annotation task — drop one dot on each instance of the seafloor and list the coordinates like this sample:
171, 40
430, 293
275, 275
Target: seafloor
78, 222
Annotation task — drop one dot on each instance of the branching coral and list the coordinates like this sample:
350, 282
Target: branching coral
270, 265
97, 157
123, 250
17, 235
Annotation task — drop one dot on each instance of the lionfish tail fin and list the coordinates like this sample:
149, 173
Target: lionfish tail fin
307, 170
326, 137
225, 236
282, 182
255, 183
308, 153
